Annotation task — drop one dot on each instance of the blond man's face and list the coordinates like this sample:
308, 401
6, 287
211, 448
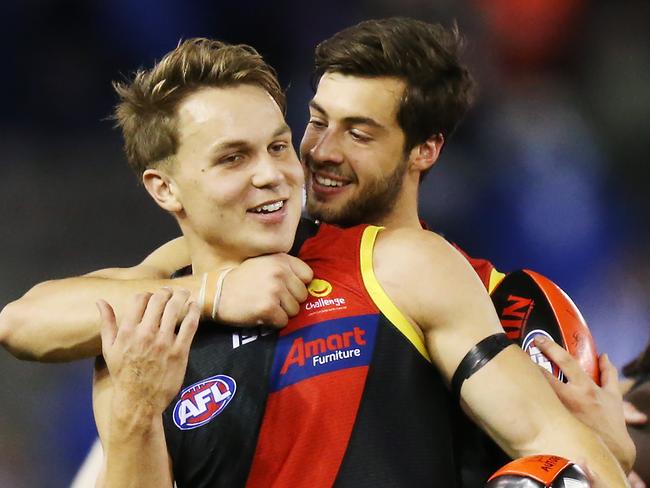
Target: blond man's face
236, 172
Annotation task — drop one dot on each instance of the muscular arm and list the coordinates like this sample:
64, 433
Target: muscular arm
509, 398
57, 320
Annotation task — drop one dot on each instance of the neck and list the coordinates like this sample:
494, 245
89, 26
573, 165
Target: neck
405, 210
208, 257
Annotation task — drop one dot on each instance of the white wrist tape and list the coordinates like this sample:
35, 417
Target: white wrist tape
201, 297
219, 289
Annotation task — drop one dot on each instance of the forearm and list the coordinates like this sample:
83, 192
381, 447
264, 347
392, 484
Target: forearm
573, 440
511, 401
58, 320
142, 369
136, 454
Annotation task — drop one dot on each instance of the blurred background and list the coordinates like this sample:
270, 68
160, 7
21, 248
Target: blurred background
549, 171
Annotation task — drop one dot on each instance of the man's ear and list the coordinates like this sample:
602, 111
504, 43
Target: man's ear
424, 155
163, 189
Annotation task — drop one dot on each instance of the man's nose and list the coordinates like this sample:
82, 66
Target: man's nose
327, 149
267, 173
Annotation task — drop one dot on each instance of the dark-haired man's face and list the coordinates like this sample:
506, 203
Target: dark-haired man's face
352, 150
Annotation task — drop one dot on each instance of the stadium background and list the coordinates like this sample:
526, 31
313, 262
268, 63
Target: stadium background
549, 171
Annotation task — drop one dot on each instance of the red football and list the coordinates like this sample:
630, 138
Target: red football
529, 304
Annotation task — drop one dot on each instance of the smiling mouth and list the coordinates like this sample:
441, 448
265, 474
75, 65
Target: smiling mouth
329, 182
269, 208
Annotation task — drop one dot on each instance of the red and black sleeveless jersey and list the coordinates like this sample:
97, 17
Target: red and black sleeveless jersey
344, 396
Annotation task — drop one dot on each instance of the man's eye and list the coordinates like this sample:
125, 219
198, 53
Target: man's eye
231, 158
358, 136
279, 147
317, 124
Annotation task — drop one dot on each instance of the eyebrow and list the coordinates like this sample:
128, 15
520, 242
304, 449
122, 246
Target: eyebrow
283, 129
236, 144
351, 120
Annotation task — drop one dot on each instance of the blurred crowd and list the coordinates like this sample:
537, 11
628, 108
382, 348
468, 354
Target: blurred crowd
548, 172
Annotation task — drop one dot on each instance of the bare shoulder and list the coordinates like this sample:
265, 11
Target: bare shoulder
417, 254
429, 280
437, 290
411, 237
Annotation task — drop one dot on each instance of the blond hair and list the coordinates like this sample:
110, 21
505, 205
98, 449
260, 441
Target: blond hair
146, 112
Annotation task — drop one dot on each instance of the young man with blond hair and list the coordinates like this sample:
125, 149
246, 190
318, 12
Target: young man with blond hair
235, 193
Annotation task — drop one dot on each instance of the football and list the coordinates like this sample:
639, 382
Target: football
529, 304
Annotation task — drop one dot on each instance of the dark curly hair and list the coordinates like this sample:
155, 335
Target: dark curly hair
439, 88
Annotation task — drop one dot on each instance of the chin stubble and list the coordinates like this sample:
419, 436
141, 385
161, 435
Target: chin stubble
369, 206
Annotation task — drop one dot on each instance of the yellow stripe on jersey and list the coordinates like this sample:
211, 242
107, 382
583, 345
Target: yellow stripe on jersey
495, 279
379, 296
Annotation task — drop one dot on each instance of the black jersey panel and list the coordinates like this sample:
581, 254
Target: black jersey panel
403, 435
219, 452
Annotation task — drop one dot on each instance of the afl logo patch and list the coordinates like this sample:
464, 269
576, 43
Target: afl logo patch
319, 288
203, 401
537, 356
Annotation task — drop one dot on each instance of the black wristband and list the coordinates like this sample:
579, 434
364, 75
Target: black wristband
477, 357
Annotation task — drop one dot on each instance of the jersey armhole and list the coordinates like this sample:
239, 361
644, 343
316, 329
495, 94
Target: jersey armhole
379, 296
495, 279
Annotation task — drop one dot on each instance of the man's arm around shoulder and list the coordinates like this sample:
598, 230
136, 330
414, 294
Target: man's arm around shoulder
57, 320
508, 397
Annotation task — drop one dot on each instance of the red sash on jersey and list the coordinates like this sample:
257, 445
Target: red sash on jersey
319, 370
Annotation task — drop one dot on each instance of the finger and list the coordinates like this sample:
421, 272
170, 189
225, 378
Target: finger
135, 310
300, 269
173, 312
626, 384
297, 288
188, 327
153, 313
277, 317
635, 480
608, 375
632, 415
560, 356
108, 324
289, 304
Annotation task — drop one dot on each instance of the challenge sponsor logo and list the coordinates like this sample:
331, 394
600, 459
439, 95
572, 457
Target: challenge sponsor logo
203, 401
324, 347
320, 289
325, 302
538, 356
